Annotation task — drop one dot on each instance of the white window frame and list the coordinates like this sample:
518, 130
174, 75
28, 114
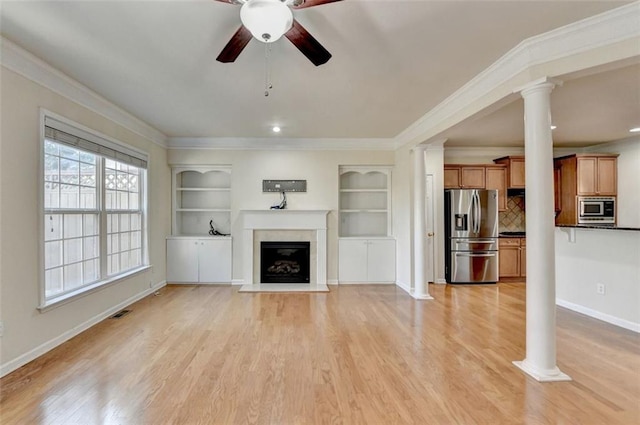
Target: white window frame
105, 279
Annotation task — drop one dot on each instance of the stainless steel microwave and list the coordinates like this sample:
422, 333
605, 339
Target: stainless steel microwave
596, 210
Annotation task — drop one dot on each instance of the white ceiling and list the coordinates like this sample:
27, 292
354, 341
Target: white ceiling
392, 62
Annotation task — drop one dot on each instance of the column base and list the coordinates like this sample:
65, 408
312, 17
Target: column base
552, 375
421, 296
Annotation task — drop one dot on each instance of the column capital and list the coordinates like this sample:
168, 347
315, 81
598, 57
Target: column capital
544, 83
419, 148
436, 145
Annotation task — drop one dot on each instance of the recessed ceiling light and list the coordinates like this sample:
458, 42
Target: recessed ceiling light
635, 130
276, 129
553, 127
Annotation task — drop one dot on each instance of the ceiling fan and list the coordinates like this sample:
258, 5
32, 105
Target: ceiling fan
267, 21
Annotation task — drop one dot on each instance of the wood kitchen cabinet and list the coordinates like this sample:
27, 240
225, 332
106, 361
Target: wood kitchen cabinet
582, 175
512, 258
496, 178
515, 170
464, 176
557, 188
597, 175
482, 176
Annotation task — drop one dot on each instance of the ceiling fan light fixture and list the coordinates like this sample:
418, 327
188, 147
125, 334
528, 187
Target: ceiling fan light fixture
267, 20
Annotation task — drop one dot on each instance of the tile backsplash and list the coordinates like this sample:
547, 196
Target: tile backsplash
513, 219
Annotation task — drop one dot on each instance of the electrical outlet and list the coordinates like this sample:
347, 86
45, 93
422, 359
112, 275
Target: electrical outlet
600, 288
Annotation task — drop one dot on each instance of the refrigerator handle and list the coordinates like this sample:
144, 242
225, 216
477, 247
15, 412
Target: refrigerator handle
482, 254
479, 206
472, 215
476, 223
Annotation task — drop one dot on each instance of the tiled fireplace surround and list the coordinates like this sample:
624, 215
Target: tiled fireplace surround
284, 225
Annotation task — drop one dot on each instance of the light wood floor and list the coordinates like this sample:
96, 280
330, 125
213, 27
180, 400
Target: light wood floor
357, 355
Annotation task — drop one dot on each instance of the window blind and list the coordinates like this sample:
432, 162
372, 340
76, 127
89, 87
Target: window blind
75, 137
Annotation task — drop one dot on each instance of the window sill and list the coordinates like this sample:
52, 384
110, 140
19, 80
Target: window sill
86, 290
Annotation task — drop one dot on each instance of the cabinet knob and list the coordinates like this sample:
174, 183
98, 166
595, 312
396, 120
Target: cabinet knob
430, 234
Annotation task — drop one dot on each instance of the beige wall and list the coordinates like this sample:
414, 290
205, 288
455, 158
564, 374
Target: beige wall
27, 329
402, 193
250, 167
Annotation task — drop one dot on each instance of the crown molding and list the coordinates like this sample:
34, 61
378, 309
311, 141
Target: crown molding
17, 59
478, 152
616, 145
499, 80
272, 143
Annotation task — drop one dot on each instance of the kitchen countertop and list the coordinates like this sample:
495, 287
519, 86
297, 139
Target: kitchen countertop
512, 235
596, 226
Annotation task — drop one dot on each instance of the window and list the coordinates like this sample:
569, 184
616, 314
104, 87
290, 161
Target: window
94, 211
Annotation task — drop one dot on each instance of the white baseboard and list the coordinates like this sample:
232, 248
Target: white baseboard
332, 281
237, 282
441, 281
14, 364
404, 286
635, 327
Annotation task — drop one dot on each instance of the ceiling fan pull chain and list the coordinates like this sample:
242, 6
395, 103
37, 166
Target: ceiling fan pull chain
267, 77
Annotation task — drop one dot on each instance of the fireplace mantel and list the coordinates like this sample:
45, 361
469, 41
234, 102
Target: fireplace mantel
313, 220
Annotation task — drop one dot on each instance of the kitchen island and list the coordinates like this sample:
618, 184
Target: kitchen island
598, 272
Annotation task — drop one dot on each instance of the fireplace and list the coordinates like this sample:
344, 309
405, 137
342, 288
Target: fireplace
284, 225
285, 262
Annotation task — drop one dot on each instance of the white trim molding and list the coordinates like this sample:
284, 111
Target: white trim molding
25, 358
273, 143
404, 286
626, 324
17, 59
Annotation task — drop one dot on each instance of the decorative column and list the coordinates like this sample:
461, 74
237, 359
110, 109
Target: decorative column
420, 286
540, 361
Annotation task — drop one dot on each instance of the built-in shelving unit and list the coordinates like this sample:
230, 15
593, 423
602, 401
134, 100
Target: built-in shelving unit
366, 251
365, 201
201, 194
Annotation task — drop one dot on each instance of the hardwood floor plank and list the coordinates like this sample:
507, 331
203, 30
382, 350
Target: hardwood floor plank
366, 354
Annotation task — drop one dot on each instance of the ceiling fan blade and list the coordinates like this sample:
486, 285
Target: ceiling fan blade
311, 3
229, 1
235, 46
309, 46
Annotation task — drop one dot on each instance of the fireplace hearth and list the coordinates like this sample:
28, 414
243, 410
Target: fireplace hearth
285, 262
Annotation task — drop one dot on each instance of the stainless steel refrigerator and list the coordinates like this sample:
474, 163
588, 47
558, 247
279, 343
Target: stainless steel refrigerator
471, 242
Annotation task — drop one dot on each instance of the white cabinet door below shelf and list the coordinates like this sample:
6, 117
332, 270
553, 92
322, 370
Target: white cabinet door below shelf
381, 260
182, 260
215, 260
352, 261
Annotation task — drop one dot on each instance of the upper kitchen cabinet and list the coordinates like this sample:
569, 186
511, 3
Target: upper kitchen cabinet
496, 178
589, 174
515, 170
464, 176
489, 176
582, 175
597, 175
